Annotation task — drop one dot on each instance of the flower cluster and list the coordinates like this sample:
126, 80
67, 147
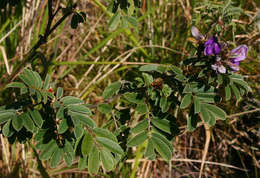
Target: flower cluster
212, 47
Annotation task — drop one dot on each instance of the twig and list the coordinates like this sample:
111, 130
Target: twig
194, 161
206, 148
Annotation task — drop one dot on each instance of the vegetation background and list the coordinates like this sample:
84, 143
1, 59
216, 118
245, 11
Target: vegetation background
85, 60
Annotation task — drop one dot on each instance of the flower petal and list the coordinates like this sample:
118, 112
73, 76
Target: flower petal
221, 69
196, 34
239, 53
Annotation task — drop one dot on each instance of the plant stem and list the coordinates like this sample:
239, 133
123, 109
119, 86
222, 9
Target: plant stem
139, 155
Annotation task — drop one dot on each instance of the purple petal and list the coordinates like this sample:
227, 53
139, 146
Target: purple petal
239, 53
212, 47
234, 68
210, 41
196, 34
217, 48
208, 51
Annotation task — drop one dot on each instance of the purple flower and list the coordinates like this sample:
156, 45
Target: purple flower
196, 34
238, 54
212, 47
219, 68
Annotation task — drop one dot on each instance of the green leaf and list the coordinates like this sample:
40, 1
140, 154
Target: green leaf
104, 133
192, 122
148, 67
186, 101
236, 91
206, 97
93, 161
27, 77
166, 90
111, 90
84, 119
176, 70
216, 111
59, 93
133, 98
68, 153
82, 163
241, 82
47, 82
68, 148
132, 20
87, 144
15, 85
162, 138
38, 80
67, 100
149, 149
7, 129
78, 131
196, 104
110, 145
141, 108
104, 108
6, 115
114, 21
212, 119
141, 126
148, 79
68, 157
107, 160
137, 139
63, 126
80, 108
204, 113
60, 113
17, 123
162, 124
56, 157
227, 93
162, 148
27, 121
164, 104
37, 118
50, 148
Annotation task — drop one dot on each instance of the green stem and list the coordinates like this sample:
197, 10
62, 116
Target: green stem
40, 167
139, 154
